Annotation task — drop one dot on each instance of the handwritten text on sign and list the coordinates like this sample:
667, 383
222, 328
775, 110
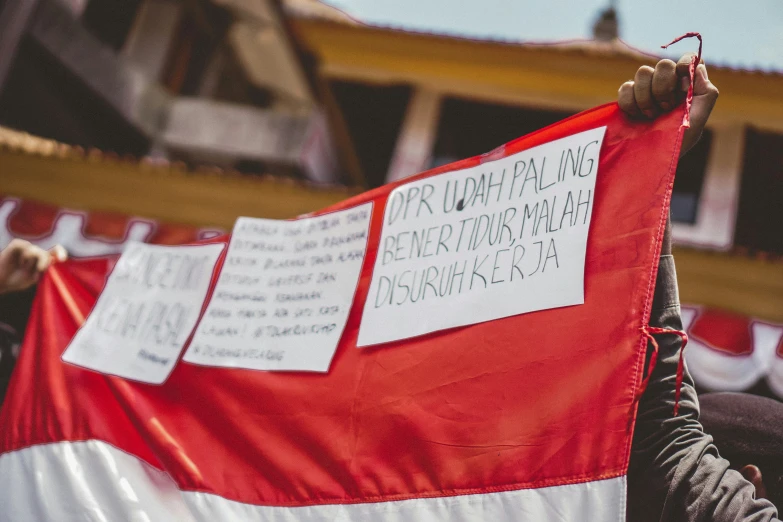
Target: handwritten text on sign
499, 239
284, 293
146, 312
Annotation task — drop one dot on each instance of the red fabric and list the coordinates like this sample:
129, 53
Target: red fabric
648, 331
537, 399
723, 331
33, 220
691, 71
680, 363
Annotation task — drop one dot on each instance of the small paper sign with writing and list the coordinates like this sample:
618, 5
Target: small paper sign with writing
502, 238
146, 312
284, 293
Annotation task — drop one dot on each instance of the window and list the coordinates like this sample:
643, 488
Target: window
468, 128
374, 116
198, 36
44, 98
689, 181
761, 193
110, 20
226, 80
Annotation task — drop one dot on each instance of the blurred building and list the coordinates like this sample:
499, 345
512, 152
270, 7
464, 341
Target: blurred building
218, 83
300, 90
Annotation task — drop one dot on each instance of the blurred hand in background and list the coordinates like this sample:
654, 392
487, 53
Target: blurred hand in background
22, 263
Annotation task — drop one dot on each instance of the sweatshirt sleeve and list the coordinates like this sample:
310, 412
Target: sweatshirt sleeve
675, 471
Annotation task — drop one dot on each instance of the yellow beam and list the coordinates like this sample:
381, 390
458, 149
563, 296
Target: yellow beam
166, 194
558, 78
753, 287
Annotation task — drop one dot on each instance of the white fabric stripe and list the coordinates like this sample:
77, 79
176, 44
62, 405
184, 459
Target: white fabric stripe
94, 481
719, 371
775, 377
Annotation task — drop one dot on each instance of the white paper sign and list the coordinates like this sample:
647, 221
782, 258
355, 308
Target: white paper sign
146, 312
284, 293
503, 238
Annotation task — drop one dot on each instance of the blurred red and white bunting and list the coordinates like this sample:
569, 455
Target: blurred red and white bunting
732, 352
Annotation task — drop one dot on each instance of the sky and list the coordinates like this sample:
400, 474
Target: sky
745, 34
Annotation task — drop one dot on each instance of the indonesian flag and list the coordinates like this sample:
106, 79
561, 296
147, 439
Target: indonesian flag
527, 417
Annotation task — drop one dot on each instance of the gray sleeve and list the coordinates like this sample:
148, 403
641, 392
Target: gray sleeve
675, 472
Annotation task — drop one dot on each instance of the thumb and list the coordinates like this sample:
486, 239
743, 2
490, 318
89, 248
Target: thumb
683, 69
705, 94
58, 253
702, 86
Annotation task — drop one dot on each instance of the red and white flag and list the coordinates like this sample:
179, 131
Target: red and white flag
526, 417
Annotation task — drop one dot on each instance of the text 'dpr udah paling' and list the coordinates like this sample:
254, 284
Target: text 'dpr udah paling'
284, 293
499, 239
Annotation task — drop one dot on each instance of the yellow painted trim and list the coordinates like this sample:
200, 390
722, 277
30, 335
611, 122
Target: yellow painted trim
168, 195
753, 287
556, 78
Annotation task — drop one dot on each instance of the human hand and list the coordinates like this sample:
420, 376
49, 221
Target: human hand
660, 89
22, 263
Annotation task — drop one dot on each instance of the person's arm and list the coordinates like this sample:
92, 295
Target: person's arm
676, 473
21, 265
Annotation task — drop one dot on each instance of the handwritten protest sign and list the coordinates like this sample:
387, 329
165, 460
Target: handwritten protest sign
284, 293
499, 239
146, 312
